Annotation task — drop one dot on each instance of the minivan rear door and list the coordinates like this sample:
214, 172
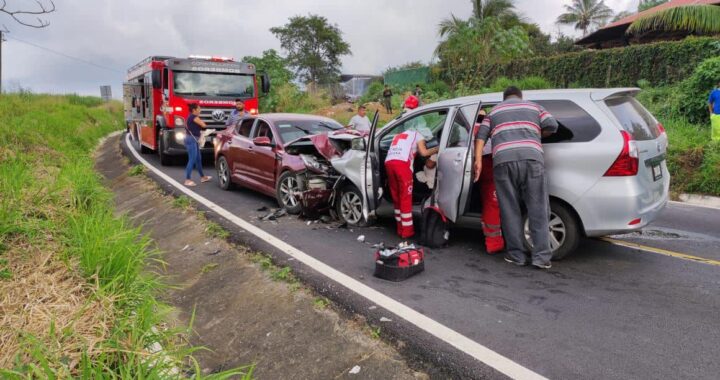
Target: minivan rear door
651, 145
454, 169
370, 172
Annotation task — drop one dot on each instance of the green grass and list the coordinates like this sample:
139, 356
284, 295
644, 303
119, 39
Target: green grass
182, 202
321, 303
281, 274
208, 267
137, 170
52, 199
216, 230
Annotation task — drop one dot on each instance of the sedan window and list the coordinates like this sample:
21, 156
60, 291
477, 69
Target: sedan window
294, 129
244, 127
263, 130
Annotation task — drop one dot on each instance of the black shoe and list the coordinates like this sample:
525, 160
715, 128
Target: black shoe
543, 266
513, 261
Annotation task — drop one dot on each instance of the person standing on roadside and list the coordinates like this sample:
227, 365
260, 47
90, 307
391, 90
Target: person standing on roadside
237, 114
516, 127
387, 99
360, 122
193, 128
417, 92
714, 107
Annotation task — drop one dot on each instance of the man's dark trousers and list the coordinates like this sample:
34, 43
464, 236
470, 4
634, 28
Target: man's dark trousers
523, 182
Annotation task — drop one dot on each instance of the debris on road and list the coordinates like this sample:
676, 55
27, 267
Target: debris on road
355, 370
361, 238
263, 208
274, 215
383, 319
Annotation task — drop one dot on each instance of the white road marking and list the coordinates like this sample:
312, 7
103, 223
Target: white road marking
693, 205
427, 324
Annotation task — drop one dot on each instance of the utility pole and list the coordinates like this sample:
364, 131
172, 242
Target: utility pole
2, 38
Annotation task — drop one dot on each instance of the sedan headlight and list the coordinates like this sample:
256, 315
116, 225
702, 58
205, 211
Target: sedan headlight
312, 163
179, 121
180, 137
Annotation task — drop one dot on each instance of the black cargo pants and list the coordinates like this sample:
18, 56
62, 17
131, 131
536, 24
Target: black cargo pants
518, 183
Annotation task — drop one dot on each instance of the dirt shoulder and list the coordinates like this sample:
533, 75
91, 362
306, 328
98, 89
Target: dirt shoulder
244, 314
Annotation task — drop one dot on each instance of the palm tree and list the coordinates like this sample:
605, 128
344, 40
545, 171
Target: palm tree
452, 25
585, 14
695, 19
500, 9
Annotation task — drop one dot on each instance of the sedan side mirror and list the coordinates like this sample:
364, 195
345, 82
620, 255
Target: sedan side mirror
263, 141
265, 83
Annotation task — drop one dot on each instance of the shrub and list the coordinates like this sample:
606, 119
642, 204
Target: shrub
661, 63
693, 94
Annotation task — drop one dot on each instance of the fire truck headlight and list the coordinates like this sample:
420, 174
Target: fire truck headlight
180, 137
179, 122
253, 111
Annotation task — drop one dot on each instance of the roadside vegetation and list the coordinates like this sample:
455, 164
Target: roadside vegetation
75, 297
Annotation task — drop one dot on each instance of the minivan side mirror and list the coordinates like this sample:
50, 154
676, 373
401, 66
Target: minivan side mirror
263, 141
265, 83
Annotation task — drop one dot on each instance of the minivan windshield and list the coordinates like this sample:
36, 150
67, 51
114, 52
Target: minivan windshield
213, 84
634, 118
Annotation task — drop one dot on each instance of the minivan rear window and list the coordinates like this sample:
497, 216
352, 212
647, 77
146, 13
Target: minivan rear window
634, 118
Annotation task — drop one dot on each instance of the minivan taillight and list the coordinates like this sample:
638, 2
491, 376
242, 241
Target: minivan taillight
660, 128
627, 162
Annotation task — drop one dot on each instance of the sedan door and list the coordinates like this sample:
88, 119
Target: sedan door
238, 149
454, 169
263, 159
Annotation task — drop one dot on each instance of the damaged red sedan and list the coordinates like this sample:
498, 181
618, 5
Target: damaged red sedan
253, 154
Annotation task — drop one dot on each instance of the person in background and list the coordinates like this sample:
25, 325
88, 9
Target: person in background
417, 91
399, 170
714, 107
516, 127
387, 99
237, 114
193, 128
360, 122
494, 242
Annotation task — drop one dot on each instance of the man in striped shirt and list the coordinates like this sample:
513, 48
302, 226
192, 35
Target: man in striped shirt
516, 127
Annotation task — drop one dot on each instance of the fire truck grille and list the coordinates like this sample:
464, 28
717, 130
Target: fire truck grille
213, 118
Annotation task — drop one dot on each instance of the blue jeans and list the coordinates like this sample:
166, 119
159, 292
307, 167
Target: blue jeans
194, 157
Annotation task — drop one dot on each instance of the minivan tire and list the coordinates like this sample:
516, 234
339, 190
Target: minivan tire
288, 179
572, 231
435, 230
350, 196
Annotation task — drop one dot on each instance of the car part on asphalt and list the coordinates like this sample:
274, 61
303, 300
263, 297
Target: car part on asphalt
274, 215
398, 264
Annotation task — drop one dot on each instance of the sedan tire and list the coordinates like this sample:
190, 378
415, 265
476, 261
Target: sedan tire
223, 173
565, 231
285, 191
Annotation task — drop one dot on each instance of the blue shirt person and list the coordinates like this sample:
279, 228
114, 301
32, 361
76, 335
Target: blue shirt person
714, 101
237, 114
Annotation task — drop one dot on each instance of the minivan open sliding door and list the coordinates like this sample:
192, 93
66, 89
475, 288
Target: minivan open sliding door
370, 173
455, 166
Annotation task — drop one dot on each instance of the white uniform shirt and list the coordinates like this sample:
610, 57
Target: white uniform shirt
404, 147
360, 123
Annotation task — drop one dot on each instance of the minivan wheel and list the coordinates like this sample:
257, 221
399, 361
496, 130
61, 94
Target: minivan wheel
564, 231
349, 207
286, 191
435, 231
223, 174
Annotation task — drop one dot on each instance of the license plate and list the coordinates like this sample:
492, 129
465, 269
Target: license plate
657, 172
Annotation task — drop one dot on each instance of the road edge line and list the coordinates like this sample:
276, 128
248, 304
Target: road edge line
461, 342
660, 251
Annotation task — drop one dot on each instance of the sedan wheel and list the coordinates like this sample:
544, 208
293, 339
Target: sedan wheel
224, 174
287, 189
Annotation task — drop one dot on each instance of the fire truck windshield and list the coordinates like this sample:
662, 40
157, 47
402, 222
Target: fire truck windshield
213, 84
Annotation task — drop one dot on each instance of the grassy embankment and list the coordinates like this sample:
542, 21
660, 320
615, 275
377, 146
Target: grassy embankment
75, 300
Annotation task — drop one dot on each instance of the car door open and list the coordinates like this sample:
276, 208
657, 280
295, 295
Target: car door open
370, 173
454, 164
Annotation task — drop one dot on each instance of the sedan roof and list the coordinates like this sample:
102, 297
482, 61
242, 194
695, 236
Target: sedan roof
274, 117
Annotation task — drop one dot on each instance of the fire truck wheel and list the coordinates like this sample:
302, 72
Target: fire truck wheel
286, 191
165, 159
223, 174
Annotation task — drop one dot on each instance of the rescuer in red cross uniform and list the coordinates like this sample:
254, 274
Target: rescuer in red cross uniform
492, 230
399, 169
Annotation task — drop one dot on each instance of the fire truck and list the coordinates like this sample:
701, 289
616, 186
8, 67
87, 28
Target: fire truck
158, 90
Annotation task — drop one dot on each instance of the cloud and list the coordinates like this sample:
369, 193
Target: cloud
117, 34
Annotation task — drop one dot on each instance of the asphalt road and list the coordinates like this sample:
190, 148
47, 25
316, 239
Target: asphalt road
606, 312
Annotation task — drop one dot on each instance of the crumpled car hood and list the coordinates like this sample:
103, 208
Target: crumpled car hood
322, 142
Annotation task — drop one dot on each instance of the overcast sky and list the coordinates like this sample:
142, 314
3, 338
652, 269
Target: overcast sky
118, 34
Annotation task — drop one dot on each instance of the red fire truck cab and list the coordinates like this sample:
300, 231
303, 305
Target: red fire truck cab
158, 90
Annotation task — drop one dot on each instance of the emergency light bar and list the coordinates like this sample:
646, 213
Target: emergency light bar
212, 58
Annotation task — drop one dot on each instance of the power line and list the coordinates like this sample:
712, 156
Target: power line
65, 55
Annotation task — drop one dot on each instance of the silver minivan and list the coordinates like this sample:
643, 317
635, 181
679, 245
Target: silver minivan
605, 166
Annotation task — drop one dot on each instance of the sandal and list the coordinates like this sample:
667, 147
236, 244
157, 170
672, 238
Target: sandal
190, 183
207, 178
